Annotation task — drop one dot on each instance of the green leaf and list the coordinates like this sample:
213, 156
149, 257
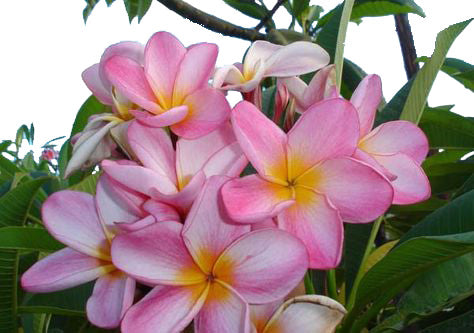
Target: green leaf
458, 70
268, 101
416, 101
447, 156
298, 6
28, 238
90, 107
7, 167
8, 290
4, 145
447, 130
15, 204
32, 134
88, 184
393, 109
449, 176
327, 37
250, 8
401, 267
136, 8
90, 4
466, 187
460, 324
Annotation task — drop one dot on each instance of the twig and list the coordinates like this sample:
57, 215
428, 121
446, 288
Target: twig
211, 22
407, 44
269, 15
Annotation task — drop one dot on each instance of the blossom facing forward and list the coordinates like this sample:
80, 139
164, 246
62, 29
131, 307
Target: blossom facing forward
306, 178
207, 269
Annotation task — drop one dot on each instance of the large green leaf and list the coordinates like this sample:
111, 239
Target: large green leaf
416, 101
460, 324
449, 176
458, 70
7, 167
136, 8
28, 238
88, 184
447, 130
298, 6
327, 37
400, 268
250, 8
393, 109
90, 107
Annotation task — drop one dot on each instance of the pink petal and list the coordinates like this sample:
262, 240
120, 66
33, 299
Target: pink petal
252, 199
397, 137
137, 225
260, 314
226, 76
295, 59
63, 269
198, 64
320, 85
165, 309
112, 296
166, 118
307, 314
263, 265
411, 185
328, 129
156, 255
267, 223
163, 56
139, 178
263, 142
366, 98
91, 78
223, 311
71, 218
205, 232
129, 78
358, 191
315, 221
229, 161
296, 87
208, 109
259, 51
153, 148
160, 211
362, 156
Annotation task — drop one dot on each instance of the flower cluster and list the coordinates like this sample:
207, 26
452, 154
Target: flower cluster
175, 235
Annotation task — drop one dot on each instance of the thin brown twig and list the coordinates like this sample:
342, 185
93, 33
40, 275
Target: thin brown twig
407, 44
211, 22
269, 15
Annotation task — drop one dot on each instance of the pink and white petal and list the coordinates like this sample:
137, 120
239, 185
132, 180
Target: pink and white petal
128, 77
224, 311
327, 129
163, 56
207, 110
165, 309
198, 63
183, 199
317, 223
362, 156
263, 265
153, 148
366, 98
134, 226
296, 87
411, 185
71, 218
138, 178
227, 75
263, 142
112, 296
260, 314
267, 223
397, 137
156, 255
63, 269
306, 314
206, 233
166, 118
229, 161
320, 86
161, 211
91, 78
295, 59
252, 199
358, 191
259, 51
192, 155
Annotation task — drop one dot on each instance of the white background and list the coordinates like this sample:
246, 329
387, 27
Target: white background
46, 46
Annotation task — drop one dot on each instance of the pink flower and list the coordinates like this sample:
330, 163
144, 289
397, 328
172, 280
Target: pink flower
207, 269
172, 86
306, 177
176, 177
301, 314
49, 154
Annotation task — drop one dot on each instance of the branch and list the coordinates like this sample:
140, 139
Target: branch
269, 15
211, 22
407, 44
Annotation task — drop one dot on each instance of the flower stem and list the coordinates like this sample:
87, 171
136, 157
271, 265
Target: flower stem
341, 36
361, 272
308, 283
332, 285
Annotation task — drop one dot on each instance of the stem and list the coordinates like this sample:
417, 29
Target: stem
407, 44
332, 285
308, 283
361, 271
34, 219
269, 15
341, 37
211, 22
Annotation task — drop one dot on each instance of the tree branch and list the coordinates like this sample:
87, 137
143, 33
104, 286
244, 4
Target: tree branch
407, 44
269, 15
211, 22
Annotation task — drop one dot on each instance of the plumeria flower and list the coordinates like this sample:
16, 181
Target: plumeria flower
172, 86
206, 270
176, 177
302, 314
306, 178
95, 143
